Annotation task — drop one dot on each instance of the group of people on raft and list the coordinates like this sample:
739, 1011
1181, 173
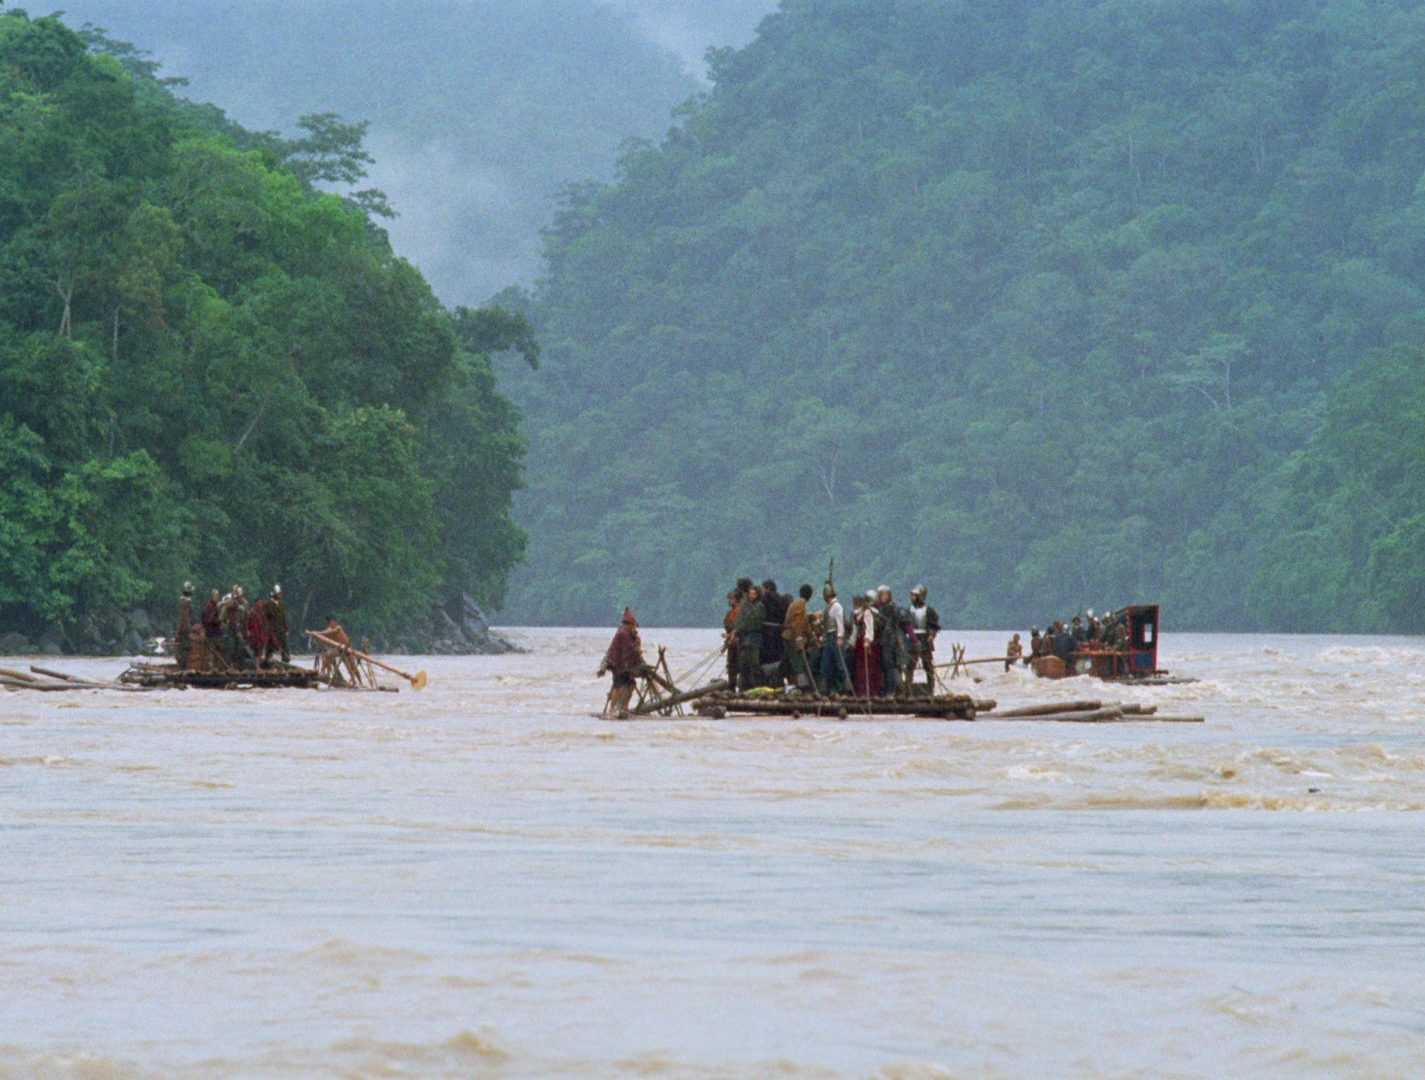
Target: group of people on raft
874, 650
231, 634
774, 640
1063, 639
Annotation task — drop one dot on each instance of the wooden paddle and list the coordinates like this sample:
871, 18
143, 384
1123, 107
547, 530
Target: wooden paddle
417, 680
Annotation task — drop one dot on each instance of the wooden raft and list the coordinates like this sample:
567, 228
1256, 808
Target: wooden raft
170, 675
716, 702
841, 707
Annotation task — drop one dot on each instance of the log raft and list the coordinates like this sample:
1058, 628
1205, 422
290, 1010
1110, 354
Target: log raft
841, 707
170, 675
716, 702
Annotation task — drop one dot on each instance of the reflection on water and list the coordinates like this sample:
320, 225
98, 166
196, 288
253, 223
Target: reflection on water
482, 879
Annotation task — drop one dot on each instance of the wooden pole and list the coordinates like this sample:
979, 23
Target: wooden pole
417, 680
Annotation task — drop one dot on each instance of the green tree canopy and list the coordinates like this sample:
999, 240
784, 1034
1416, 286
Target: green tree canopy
211, 370
1033, 302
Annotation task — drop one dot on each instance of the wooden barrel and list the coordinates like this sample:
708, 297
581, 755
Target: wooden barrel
1050, 667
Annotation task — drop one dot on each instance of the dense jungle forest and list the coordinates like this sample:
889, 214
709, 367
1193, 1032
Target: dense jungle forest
210, 369
1050, 305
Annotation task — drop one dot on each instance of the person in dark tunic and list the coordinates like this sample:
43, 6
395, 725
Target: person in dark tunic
257, 631
212, 624
276, 627
729, 640
890, 636
774, 609
183, 642
624, 659
747, 628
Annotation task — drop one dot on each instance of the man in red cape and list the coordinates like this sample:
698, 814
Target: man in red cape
625, 660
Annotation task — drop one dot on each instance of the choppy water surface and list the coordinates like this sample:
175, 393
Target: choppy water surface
482, 880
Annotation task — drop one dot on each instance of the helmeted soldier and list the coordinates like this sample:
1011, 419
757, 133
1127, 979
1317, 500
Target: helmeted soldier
276, 626
923, 622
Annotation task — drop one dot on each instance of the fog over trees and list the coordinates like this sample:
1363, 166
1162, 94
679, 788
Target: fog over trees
480, 113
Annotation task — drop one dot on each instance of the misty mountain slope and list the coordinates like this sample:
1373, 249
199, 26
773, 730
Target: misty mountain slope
1033, 302
210, 370
480, 113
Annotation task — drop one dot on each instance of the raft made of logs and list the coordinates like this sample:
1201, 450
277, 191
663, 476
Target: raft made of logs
171, 675
840, 707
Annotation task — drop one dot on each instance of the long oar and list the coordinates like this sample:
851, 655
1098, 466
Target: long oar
417, 680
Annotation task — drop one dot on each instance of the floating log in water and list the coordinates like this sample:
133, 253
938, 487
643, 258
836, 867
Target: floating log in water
1111, 715
1048, 709
35, 684
54, 680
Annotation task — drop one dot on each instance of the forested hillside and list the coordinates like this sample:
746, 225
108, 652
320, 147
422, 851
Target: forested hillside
210, 370
1047, 304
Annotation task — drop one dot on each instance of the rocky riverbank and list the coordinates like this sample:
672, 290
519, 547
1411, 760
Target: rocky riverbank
456, 629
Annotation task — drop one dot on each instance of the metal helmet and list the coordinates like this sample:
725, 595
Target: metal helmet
918, 590
187, 588
277, 590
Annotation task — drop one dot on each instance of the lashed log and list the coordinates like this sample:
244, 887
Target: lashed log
653, 706
36, 684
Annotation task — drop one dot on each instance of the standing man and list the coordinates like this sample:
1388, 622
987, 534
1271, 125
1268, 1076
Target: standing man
625, 660
234, 615
212, 623
774, 610
748, 630
834, 677
183, 643
257, 632
729, 641
276, 626
890, 633
924, 626
796, 638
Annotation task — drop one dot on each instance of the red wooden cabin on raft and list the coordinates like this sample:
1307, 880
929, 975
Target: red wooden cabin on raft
1139, 660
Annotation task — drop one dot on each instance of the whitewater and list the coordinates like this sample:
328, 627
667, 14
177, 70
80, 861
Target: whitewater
481, 879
